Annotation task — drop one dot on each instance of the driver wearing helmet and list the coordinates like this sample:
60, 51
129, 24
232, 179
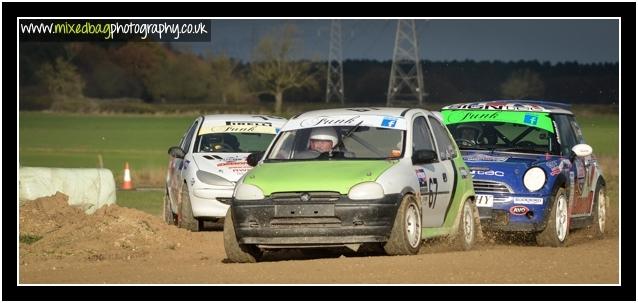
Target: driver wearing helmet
467, 135
321, 140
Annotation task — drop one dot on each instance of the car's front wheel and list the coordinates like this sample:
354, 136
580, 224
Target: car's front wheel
600, 210
405, 237
169, 217
557, 228
235, 252
469, 226
185, 218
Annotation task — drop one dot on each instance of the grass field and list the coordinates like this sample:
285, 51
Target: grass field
73, 140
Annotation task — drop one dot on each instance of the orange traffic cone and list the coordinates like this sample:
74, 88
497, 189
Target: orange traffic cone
128, 184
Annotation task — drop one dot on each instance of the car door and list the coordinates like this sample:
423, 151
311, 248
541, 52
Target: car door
178, 166
446, 153
579, 196
429, 175
586, 172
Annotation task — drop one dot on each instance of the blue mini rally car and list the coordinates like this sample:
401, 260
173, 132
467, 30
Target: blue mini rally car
532, 170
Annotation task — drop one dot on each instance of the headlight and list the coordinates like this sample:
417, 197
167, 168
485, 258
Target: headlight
212, 179
248, 192
534, 178
366, 191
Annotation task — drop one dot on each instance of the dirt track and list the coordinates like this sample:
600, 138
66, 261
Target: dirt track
122, 245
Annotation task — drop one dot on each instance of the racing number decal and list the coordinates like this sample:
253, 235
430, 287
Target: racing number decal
432, 194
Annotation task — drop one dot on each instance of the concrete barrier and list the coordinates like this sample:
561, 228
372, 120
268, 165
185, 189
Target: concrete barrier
87, 188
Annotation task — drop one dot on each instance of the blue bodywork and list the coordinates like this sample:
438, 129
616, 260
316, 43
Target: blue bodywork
509, 169
499, 172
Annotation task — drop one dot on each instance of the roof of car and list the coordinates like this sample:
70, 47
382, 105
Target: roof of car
362, 111
277, 121
514, 105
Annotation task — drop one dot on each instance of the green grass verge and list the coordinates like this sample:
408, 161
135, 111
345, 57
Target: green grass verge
150, 201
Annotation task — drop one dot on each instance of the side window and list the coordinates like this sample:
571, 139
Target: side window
577, 131
186, 143
421, 138
446, 147
565, 134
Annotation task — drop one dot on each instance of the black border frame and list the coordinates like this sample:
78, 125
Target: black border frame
626, 11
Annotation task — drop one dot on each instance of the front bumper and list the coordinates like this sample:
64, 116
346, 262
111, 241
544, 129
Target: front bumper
211, 202
344, 221
499, 218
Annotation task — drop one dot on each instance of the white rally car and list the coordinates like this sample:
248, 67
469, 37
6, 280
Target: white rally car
209, 160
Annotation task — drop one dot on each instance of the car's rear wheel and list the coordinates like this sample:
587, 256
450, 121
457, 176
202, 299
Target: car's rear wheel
235, 252
600, 210
469, 226
405, 237
557, 227
169, 217
185, 218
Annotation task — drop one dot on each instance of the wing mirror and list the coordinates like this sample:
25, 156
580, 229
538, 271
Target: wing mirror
582, 150
253, 159
177, 152
423, 156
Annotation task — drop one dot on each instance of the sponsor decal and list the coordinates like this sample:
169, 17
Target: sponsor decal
497, 173
518, 210
484, 158
535, 119
420, 175
498, 105
238, 167
244, 128
330, 121
557, 166
528, 200
464, 172
530, 119
389, 122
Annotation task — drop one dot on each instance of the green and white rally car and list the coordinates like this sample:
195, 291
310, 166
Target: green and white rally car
384, 177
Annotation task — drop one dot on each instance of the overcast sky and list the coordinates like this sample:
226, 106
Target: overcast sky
585, 41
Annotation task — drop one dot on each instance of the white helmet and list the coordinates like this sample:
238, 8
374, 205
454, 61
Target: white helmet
324, 133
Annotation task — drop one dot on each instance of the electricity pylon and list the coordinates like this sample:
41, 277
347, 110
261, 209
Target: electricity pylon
406, 76
334, 87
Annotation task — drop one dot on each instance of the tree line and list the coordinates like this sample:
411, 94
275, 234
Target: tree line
67, 75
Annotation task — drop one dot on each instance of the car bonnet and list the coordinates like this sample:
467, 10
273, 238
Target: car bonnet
507, 167
230, 166
336, 176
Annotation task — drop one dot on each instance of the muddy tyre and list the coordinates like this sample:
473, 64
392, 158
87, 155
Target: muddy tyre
599, 211
169, 217
469, 229
557, 227
235, 252
405, 238
185, 218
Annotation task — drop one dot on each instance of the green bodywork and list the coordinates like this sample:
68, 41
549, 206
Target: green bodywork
536, 119
324, 175
464, 190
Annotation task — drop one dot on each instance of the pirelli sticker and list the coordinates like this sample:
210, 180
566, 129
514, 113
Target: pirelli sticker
239, 127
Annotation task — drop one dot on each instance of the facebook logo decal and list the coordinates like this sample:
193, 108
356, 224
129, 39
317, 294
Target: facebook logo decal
530, 119
389, 122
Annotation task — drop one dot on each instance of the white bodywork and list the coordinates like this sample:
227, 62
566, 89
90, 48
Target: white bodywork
402, 177
229, 167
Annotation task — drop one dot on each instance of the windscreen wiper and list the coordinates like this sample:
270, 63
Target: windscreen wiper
350, 132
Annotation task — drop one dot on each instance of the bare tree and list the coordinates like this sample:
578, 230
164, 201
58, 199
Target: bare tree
274, 69
523, 84
224, 82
